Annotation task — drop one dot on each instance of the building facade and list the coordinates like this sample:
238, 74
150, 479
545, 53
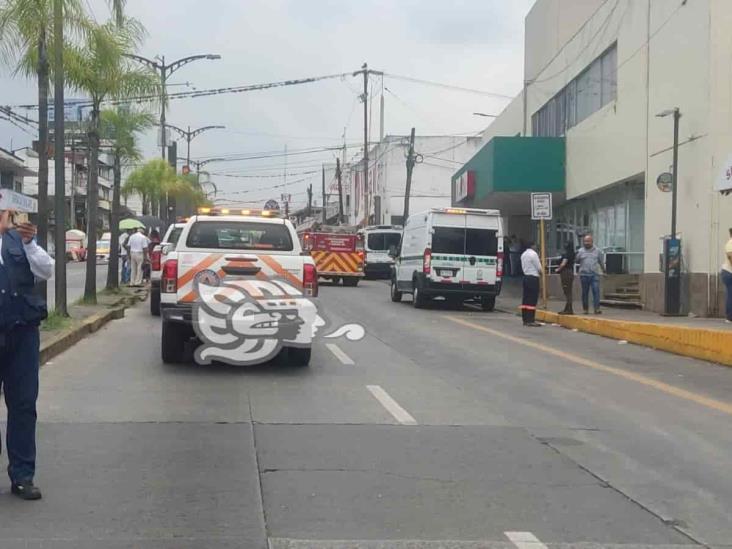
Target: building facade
598, 73
437, 158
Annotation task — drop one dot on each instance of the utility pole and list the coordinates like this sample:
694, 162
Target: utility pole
410, 168
310, 200
340, 190
165, 70
59, 162
325, 218
365, 98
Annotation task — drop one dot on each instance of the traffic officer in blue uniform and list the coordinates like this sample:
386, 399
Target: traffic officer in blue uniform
22, 262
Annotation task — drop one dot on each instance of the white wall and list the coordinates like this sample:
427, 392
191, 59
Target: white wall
550, 25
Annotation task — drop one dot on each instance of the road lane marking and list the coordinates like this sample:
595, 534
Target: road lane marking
525, 540
391, 405
339, 354
697, 398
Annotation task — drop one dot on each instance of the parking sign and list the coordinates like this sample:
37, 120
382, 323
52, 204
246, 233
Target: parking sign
541, 206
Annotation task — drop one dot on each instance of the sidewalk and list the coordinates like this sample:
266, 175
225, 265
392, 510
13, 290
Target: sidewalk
704, 338
57, 335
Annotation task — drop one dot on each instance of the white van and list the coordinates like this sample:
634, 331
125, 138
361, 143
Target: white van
377, 241
455, 253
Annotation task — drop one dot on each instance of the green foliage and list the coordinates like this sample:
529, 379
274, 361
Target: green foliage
120, 127
55, 321
156, 179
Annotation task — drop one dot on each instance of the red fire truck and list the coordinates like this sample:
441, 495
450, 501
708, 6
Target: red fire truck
337, 251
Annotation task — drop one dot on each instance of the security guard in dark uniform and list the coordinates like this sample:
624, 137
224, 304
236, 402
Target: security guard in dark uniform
22, 262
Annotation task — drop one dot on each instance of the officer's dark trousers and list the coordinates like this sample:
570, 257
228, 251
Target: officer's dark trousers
19, 380
530, 299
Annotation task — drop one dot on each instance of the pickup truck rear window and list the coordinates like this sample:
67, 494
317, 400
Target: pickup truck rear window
240, 235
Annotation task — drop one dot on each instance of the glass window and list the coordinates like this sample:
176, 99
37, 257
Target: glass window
571, 104
448, 240
175, 235
481, 242
382, 241
240, 235
560, 123
609, 75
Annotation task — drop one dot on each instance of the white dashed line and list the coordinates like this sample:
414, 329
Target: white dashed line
391, 405
339, 354
525, 540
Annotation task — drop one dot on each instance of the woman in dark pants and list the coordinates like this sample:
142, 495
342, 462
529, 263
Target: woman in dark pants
727, 276
566, 274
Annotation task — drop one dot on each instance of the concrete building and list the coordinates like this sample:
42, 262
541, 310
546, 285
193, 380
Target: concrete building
597, 74
439, 155
13, 170
76, 186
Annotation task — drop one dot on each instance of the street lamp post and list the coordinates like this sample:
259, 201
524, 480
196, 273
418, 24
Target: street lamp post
190, 135
165, 70
672, 245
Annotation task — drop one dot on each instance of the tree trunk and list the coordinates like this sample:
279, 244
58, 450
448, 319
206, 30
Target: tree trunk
43, 211
60, 166
113, 270
92, 194
145, 204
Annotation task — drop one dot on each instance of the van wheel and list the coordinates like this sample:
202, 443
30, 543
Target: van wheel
396, 295
298, 356
488, 303
419, 301
173, 342
350, 281
155, 303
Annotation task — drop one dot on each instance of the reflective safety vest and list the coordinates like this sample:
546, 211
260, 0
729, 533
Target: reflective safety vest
19, 304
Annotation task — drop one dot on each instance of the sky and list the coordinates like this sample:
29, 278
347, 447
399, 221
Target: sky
475, 44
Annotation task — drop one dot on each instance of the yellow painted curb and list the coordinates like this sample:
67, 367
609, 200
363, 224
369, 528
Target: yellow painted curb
712, 345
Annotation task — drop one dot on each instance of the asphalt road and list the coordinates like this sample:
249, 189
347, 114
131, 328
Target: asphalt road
441, 429
75, 276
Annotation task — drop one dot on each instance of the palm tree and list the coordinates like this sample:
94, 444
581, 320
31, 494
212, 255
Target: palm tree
100, 69
151, 181
26, 35
121, 126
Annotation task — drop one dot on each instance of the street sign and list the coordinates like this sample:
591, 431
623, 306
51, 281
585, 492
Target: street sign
10, 200
665, 182
541, 206
724, 183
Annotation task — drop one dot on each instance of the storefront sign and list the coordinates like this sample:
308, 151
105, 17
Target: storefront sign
465, 186
541, 206
10, 200
724, 183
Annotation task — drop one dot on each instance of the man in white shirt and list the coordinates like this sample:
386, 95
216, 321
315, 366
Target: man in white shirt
22, 262
138, 246
531, 265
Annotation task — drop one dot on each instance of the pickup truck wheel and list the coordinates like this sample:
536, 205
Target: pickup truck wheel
488, 303
350, 281
173, 342
419, 301
155, 302
396, 295
299, 356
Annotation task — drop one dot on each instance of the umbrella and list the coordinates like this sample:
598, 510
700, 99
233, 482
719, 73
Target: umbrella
127, 224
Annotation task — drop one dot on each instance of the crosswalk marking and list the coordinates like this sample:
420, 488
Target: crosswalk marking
525, 540
339, 354
391, 405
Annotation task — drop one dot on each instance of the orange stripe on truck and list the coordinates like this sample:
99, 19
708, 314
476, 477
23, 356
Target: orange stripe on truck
280, 270
186, 277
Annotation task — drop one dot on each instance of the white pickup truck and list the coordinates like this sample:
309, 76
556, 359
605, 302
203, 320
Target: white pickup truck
247, 250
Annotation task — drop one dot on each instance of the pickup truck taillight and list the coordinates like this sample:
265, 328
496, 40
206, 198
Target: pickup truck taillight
310, 280
155, 257
427, 261
169, 278
499, 265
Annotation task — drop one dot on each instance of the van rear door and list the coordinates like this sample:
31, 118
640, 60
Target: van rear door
481, 249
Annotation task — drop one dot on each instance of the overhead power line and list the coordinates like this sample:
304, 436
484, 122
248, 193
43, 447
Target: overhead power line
446, 86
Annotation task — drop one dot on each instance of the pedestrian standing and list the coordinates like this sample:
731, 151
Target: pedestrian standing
125, 256
138, 245
591, 262
22, 262
727, 276
566, 275
514, 253
531, 266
